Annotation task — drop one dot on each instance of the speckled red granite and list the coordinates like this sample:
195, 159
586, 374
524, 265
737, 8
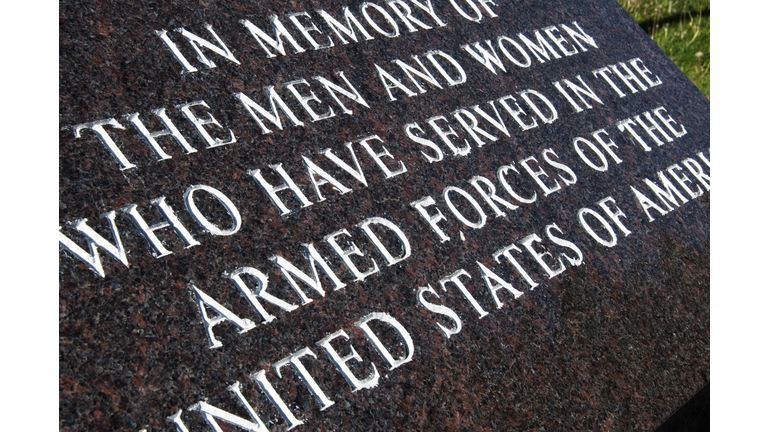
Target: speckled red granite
617, 343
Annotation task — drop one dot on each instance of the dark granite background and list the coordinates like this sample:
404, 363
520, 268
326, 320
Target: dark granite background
618, 343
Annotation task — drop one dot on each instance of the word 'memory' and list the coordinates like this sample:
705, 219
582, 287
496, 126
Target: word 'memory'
322, 30
358, 264
205, 124
395, 356
318, 177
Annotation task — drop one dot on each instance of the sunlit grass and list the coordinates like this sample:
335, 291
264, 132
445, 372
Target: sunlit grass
681, 29
643, 10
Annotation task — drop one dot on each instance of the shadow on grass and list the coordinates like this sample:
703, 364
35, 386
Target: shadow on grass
648, 24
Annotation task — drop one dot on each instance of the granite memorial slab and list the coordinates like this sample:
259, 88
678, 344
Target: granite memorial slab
384, 215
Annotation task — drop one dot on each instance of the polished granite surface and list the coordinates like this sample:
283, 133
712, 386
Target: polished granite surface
589, 336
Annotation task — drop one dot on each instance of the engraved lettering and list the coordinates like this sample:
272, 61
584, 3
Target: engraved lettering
498, 122
649, 129
538, 174
305, 29
356, 172
502, 175
647, 204
425, 142
345, 254
176, 420
421, 206
553, 112
313, 171
455, 279
614, 214
170, 129
603, 72
366, 226
403, 12
517, 113
577, 144
262, 281
333, 89
199, 124
445, 133
261, 378
559, 40
341, 363
612, 241
627, 77
387, 17
431, 55
378, 157
340, 29
171, 220
210, 413
565, 243
273, 116
472, 129
389, 82
528, 242
682, 180
295, 360
424, 74
606, 145
197, 43
481, 214
484, 4
668, 122
505, 252
98, 128
273, 190
578, 91
477, 17
373, 339
429, 9
440, 309
95, 241
571, 179
541, 48
313, 257
509, 56
203, 300
202, 220
579, 36
666, 195
494, 283
643, 71
488, 191
697, 171
281, 34
486, 58
304, 101
627, 124
188, 68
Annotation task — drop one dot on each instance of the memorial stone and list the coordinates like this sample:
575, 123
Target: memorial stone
384, 215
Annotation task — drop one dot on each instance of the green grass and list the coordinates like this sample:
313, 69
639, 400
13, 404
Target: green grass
681, 29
